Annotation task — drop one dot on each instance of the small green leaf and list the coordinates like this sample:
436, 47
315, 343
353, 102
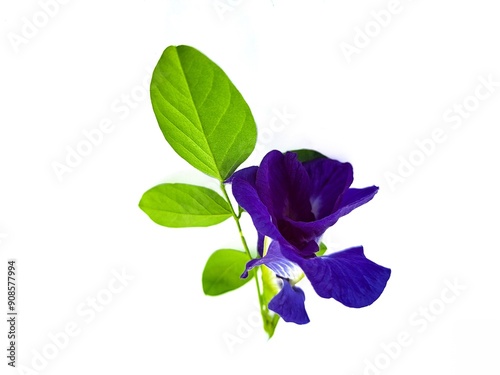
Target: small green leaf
183, 205
322, 249
201, 113
223, 270
308, 155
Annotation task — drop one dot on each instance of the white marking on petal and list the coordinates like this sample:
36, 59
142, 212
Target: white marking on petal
315, 205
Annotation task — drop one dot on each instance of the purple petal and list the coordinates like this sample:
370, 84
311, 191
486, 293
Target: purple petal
277, 262
351, 199
289, 304
300, 238
284, 187
247, 174
260, 244
347, 276
247, 197
329, 180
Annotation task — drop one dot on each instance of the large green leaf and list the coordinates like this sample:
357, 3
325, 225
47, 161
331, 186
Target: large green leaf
201, 113
223, 270
183, 205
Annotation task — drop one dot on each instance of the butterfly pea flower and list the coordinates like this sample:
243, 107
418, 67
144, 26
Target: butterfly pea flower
294, 203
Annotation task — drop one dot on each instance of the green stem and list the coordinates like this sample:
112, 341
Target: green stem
263, 308
236, 219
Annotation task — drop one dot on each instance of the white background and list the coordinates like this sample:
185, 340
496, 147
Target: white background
438, 226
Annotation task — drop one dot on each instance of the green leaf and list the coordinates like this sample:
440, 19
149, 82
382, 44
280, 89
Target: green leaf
322, 249
201, 113
223, 270
183, 205
308, 155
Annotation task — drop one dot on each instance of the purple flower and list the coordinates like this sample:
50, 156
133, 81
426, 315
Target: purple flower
294, 203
